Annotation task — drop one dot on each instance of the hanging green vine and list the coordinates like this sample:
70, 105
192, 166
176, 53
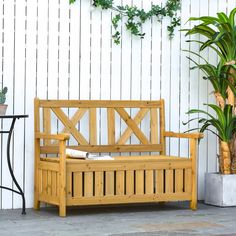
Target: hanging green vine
136, 17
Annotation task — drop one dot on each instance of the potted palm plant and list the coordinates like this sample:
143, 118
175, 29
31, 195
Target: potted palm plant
3, 106
220, 188
219, 35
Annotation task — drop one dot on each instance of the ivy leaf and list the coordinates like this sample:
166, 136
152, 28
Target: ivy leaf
104, 4
72, 1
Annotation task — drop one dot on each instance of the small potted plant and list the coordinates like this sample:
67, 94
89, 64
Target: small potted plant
3, 106
220, 188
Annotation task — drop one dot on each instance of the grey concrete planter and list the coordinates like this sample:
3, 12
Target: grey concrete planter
220, 190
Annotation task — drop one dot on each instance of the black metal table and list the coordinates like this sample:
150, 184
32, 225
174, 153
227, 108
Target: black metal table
9, 132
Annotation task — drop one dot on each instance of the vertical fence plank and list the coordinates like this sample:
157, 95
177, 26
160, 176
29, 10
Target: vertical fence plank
8, 80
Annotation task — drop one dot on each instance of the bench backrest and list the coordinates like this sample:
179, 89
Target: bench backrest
104, 126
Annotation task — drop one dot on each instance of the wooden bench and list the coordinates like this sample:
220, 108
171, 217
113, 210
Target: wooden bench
151, 177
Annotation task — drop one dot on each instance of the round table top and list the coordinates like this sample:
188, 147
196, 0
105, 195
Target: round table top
13, 116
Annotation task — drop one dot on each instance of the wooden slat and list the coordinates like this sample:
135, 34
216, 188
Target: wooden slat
77, 165
70, 126
92, 126
49, 188
54, 183
179, 181
76, 118
139, 182
49, 199
62, 179
130, 122
69, 184
111, 125
48, 165
193, 157
162, 128
154, 126
184, 135
58, 183
129, 199
120, 188
187, 180
159, 181
130, 182
169, 184
99, 103
47, 124
88, 184
107, 148
137, 119
149, 182
99, 183
78, 184
44, 181
110, 183
40, 181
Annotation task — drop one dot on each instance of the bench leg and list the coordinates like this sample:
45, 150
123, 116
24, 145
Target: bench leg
62, 210
36, 204
193, 205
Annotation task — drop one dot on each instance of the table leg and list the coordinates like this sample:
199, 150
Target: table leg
10, 168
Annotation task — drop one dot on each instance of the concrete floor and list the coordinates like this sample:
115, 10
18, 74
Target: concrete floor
169, 219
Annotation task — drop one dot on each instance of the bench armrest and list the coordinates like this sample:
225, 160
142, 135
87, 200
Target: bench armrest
60, 137
184, 135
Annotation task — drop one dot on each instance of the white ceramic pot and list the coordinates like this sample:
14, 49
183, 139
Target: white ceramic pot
220, 190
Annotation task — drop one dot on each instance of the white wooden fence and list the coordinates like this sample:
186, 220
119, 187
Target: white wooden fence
52, 50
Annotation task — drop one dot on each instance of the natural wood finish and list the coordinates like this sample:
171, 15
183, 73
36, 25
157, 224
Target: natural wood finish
131, 123
162, 128
87, 166
47, 124
188, 180
99, 183
52, 136
88, 184
154, 126
69, 184
62, 180
149, 182
179, 180
137, 119
193, 157
70, 126
54, 184
130, 182
120, 183
126, 179
78, 184
184, 135
111, 126
76, 118
49, 183
119, 199
110, 184
169, 181
159, 181
99, 103
107, 148
139, 182
92, 126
